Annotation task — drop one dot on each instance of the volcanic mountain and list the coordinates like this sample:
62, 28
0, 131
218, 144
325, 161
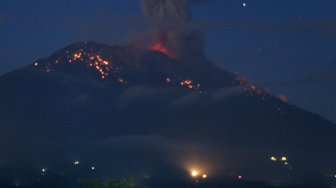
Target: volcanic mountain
130, 111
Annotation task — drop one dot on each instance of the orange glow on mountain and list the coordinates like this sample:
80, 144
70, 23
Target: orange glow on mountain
283, 98
106, 68
159, 46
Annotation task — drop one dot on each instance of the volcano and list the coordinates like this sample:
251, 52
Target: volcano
128, 111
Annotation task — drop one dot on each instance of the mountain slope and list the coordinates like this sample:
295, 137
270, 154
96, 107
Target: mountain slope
105, 104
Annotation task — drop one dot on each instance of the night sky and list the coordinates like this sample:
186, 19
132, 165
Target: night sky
285, 46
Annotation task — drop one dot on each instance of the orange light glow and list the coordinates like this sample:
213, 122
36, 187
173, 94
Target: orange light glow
159, 46
99, 58
284, 158
283, 98
91, 60
77, 56
186, 82
190, 84
194, 173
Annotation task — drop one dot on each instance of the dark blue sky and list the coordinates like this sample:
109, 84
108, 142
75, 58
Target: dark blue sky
286, 46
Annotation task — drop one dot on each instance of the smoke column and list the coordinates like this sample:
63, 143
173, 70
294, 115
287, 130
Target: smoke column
180, 40
172, 9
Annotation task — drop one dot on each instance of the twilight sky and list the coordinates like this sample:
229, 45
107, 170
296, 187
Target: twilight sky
286, 46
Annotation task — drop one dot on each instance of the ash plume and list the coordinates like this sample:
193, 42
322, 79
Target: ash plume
179, 40
173, 9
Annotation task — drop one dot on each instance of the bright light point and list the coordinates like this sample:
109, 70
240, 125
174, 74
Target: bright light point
240, 177
76, 163
44, 170
92, 168
273, 158
284, 158
244, 4
204, 176
286, 163
194, 173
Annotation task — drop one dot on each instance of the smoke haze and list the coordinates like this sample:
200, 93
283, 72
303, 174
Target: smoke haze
177, 40
172, 9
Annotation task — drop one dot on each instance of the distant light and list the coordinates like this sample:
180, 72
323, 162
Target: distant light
240, 177
244, 4
44, 170
335, 176
273, 158
284, 158
286, 163
92, 168
76, 163
204, 176
194, 173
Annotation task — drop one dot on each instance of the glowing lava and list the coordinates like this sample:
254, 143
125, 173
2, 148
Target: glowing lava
283, 98
159, 46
